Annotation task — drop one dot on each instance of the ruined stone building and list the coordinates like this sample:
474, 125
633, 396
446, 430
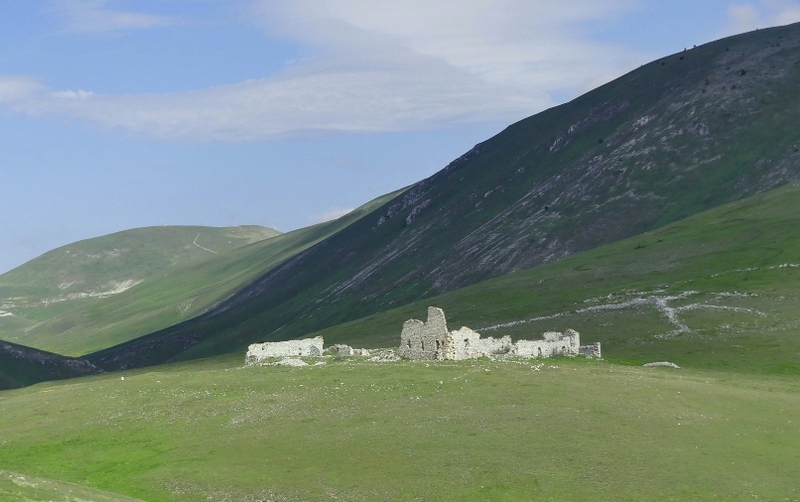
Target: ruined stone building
307, 347
432, 340
257, 352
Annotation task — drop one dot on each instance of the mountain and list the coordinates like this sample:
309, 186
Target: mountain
675, 137
21, 366
42, 300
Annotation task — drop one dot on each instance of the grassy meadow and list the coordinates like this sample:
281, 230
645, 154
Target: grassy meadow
561, 429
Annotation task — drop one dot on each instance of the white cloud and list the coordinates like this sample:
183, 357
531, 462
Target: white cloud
749, 16
14, 88
329, 215
95, 16
378, 66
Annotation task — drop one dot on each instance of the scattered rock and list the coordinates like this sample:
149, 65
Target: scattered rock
661, 364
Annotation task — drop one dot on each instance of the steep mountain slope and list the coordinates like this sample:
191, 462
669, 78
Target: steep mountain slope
38, 298
718, 290
680, 135
21, 366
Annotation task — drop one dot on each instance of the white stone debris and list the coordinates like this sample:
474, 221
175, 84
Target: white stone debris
431, 340
289, 361
348, 351
661, 364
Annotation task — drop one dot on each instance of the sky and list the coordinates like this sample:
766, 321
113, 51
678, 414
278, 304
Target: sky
120, 114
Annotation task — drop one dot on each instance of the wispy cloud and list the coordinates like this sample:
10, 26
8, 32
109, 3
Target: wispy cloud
97, 16
16, 88
329, 215
377, 66
749, 16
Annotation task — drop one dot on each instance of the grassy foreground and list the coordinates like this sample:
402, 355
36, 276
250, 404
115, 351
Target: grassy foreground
18, 488
357, 430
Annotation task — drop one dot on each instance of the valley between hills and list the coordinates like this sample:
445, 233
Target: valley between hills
658, 214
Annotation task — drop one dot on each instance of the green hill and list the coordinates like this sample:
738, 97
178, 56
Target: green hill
678, 136
43, 299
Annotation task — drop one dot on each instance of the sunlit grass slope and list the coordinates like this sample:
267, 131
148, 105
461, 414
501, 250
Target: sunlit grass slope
355, 430
718, 290
46, 296
21, 488
170, 296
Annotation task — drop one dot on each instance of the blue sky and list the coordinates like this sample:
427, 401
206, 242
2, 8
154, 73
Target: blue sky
119, 114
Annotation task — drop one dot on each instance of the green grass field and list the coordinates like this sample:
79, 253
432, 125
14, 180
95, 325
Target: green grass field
355, 430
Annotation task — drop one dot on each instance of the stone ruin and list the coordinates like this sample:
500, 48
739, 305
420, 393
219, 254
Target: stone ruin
432, 341
306, 347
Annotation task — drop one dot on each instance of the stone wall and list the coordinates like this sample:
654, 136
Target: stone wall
257, 352
348, 351
552, 344
592, 350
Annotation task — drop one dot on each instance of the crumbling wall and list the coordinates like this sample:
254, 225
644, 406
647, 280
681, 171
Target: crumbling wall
425, 340
591, 350
464, 344
552, 344
491, 346
311, 347
348, 351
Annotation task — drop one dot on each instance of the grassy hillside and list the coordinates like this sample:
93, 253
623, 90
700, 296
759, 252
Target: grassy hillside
678, 136
719, 290
469, 430
35, 297
174, 294
21, 366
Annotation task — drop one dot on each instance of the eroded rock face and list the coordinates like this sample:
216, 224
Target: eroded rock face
432, 341
307, 347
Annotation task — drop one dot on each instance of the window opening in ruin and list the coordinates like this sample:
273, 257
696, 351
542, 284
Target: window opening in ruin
423, 344
540, 351
409, 344
438, 344
563, 350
